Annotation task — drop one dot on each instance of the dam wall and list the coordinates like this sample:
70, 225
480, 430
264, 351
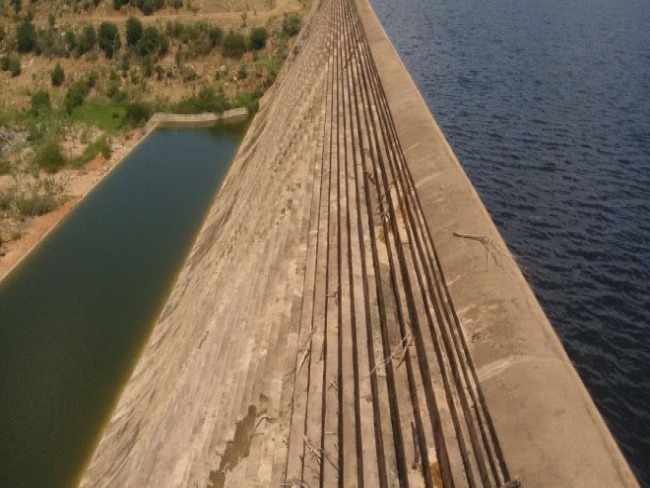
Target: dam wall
349, 314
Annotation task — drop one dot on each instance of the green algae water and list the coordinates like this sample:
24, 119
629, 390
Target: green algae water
75, 314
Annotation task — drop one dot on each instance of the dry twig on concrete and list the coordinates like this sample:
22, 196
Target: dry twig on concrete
319, 453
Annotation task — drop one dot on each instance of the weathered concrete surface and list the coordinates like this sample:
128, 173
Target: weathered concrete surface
349, 314
549, 428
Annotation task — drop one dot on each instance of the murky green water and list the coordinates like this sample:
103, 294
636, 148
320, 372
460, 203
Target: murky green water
76, 313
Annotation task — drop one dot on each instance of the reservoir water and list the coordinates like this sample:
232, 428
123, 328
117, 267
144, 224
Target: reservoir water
547, 104
75, 314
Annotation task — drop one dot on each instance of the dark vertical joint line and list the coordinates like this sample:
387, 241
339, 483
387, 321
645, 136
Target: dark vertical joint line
339, 116
353, 324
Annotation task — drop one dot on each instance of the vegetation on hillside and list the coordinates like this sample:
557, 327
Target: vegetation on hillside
74, 86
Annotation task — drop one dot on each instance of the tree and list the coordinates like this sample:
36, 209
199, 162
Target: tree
26, 37
109, 38
257, 39
18, 4
57, 75
88, 39
234, 45
133, 31
150, 42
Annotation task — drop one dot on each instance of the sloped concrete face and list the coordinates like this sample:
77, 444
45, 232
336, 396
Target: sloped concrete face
349, 314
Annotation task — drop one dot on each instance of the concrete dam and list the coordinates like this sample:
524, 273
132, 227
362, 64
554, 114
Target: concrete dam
349, 314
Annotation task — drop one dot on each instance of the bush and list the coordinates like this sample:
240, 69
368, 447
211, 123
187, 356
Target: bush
234, 45
257, 38
25, 37
10, 64
149, 43
216, 36
14, 66
5, 167
50, 156
98, 146
133, 31
109, 38
291, 24
71, 41
75, 96
117, 4
57, 76
40, 102
35, 205
206, 101
88, 40
137, 114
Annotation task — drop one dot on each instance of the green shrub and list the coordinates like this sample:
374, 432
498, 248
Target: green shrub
109, 39
75, 96
133, 31
14, 66
6, 200
117, 4
100, 145
257, 39
88, 40
25, 37
10, 64
57, 76
137, 114
35, 205
5, 167
215, 34
71, 41
17, 4
40, 102
234, 45
208, 100
291, 24
250, 100
149, 43
49, 156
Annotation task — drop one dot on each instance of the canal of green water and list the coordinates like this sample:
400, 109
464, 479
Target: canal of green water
76, 313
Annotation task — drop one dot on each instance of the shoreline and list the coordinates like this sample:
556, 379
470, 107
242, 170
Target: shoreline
88, 178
